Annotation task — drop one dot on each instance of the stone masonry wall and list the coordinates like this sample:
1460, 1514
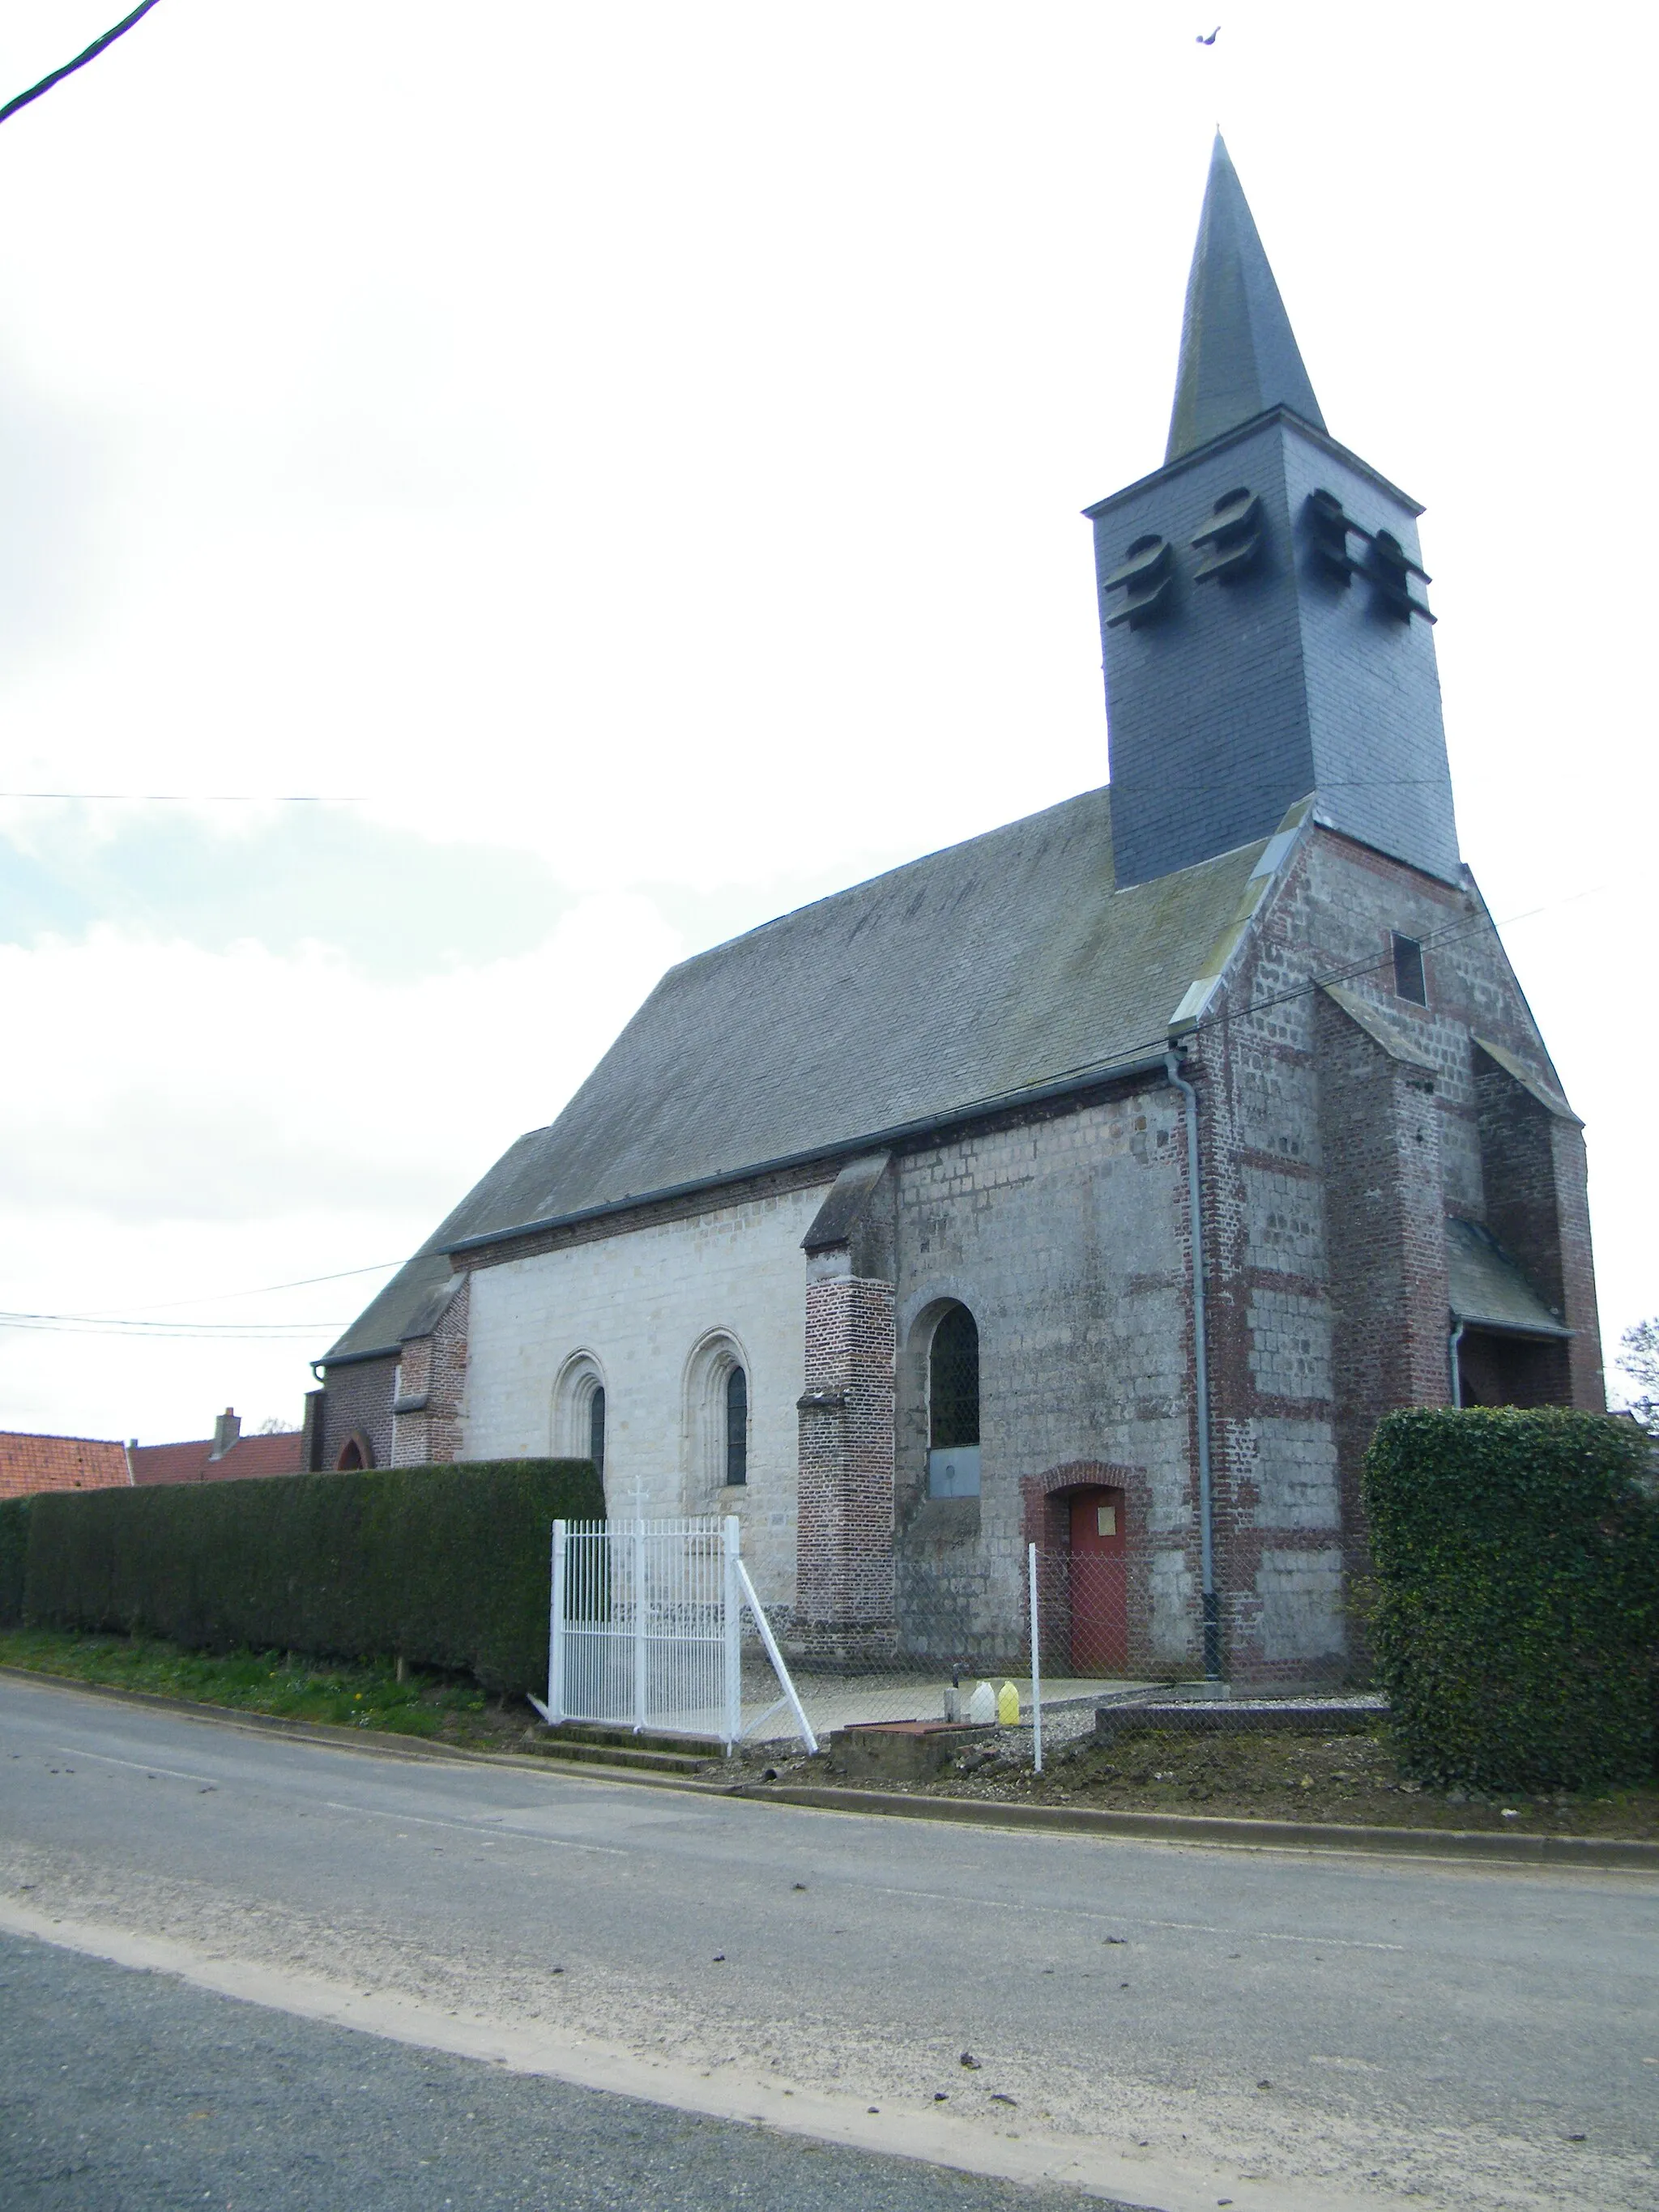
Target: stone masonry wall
1064, 1238
640, 1301
1326, 1304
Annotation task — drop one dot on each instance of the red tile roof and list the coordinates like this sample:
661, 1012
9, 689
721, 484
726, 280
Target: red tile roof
193, 1462
29, 1463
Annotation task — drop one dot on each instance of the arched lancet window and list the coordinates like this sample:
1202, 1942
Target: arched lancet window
716, 1419
953, 1406
357, 1452
736, 1428
579, 1411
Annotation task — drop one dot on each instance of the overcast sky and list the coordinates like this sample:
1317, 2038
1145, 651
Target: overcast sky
628, 458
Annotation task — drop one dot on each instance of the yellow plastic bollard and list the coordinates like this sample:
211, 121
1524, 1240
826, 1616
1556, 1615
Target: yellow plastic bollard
1008, 1705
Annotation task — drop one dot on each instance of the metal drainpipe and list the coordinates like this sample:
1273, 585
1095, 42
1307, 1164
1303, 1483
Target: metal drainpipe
1201, 1378
1456, 1365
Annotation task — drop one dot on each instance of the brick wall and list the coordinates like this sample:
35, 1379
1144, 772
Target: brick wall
1329, 1166
1384, 1203
1537, 1206
359, 1398
845, 1604
433, 1367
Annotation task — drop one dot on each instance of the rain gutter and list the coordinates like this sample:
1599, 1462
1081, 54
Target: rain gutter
901, 1132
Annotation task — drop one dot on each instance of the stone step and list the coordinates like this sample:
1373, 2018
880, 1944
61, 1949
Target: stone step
659, 1755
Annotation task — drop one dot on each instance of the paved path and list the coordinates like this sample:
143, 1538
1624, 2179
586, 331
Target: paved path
1173, 2025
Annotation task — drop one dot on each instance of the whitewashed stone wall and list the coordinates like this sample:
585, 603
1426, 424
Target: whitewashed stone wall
641, 1303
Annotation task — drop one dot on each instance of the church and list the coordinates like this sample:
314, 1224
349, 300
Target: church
1103, 1178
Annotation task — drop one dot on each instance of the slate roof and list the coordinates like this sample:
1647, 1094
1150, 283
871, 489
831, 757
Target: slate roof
1238, 353
978, 973
32, 1463
1488, 1289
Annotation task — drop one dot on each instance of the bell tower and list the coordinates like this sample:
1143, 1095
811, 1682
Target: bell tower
1263, 605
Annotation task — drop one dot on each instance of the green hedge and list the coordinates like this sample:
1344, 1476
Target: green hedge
1517, 1628
14, 1545
445, 1566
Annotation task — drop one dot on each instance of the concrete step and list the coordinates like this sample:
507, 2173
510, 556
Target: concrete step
658, 1754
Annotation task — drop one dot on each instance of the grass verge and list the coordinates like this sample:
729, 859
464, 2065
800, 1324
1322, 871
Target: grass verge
347, 1693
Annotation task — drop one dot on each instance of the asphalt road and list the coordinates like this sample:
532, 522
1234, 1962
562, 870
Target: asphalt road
1186, 2025
128, 2092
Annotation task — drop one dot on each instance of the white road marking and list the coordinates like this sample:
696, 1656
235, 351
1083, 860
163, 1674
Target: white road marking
1126, 1920
138, 1766
474, 1828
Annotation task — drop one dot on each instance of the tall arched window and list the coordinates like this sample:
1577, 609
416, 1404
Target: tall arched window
953, 1406
716, 1418
736, 1428
579, 1411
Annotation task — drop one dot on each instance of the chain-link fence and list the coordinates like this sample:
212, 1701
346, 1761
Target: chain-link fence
957, 1648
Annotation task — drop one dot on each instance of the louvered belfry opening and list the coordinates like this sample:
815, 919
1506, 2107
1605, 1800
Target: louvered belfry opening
953, 1382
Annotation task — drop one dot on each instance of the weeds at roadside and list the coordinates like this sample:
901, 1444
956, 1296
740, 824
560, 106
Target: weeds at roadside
288, 1686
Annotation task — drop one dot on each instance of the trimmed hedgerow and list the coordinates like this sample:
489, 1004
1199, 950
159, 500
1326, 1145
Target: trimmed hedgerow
445, 1566
14, 1545
1517, 1625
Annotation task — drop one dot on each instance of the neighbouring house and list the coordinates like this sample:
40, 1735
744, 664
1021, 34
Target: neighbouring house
31, 1463
1100, 1180
225, 1456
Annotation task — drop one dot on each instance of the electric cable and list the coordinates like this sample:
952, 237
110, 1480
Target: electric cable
80, 60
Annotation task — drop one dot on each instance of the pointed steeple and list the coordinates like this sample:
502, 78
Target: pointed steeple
1238, 354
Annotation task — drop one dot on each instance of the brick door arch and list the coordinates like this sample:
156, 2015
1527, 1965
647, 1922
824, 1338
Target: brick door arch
1092, 1613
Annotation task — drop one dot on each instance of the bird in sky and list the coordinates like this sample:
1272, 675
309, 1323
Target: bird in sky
1202, 41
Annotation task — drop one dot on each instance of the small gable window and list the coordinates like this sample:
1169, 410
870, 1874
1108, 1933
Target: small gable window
736, 1428
1409, 981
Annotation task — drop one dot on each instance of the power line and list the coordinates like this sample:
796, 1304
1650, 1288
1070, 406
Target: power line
80, 62
251, 1336
202, 798
302, 1282
115, 1321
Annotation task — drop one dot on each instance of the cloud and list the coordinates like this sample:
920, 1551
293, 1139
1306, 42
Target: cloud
177, 1123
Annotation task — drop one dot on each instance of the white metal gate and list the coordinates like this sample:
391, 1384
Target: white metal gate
646, 1628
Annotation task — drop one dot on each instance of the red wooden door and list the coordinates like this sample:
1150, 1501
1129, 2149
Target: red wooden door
1099, 1583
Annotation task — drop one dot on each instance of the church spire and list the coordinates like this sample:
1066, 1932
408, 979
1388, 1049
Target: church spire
1238, 353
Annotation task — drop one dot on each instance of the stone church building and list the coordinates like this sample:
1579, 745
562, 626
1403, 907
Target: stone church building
1134, 1158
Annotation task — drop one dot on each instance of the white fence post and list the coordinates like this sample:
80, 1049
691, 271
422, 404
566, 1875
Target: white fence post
732, 1628
1036, 1663
641, 1670
555, 1635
